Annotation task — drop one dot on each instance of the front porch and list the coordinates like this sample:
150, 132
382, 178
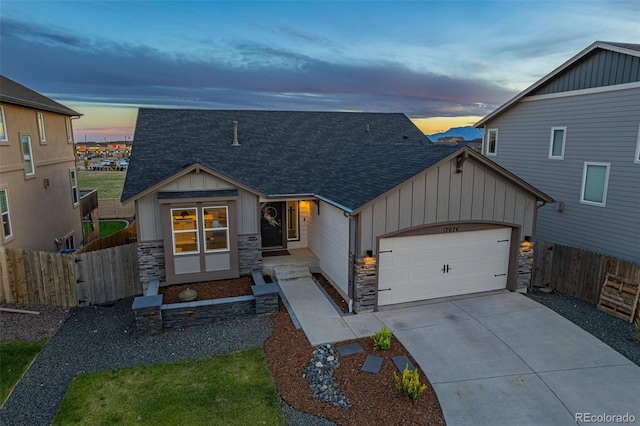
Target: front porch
296, 257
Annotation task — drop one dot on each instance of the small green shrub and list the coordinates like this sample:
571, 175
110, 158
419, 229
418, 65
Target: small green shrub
382, 339
409, 383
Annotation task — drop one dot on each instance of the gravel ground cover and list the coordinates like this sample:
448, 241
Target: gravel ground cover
99, 338
616, 333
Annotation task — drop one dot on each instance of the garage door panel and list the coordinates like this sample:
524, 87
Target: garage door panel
413, 266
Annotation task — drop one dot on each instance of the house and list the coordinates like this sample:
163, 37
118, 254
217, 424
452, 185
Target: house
391, 217
39, 195
574, 134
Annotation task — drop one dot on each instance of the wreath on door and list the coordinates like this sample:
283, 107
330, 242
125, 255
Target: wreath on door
269, 213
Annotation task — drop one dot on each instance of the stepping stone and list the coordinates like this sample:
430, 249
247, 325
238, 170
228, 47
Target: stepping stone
350, 349
372, 364
401, 362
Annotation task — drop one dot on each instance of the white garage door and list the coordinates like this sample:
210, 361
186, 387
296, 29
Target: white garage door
430, 266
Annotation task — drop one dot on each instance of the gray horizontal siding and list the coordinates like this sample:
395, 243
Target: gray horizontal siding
602, 68
601, 127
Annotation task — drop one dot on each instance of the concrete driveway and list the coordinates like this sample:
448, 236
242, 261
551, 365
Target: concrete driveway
504, 359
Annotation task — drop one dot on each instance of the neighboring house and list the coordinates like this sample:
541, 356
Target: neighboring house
575, 135
39, 195
366, 193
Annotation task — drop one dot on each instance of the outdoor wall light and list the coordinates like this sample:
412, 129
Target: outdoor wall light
369, 253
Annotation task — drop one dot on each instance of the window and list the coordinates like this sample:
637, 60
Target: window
43, 136
69, 131
637, 157
595, 178
74, 187
29, 167
556, 144
69, 242
216, 229
184, 227
292, 221
3, 126
6, 217
492, 142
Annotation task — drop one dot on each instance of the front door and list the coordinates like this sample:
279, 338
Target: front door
271, 224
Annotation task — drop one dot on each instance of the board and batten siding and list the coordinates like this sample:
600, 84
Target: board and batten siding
442, 195
329, 241
601, 127
148, 208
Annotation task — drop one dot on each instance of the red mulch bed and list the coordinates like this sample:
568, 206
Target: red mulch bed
210, 289
374, 397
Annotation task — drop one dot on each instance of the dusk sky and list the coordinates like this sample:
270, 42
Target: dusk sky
444, 64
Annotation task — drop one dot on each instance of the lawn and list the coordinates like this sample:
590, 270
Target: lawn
233, 389
108, 227
108, 183
16, 357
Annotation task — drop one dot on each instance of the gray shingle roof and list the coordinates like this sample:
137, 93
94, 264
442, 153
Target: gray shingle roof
348, 158
17, 94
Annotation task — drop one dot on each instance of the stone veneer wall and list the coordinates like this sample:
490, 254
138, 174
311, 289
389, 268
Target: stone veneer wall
525, 265
249, 253
151, 262
364, 299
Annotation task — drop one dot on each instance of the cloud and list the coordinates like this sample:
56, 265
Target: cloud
245, 75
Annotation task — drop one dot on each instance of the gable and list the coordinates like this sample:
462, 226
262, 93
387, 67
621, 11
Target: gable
600, 68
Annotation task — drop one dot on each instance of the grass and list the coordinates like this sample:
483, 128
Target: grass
108, 227
108, 183
233, 389
16, 357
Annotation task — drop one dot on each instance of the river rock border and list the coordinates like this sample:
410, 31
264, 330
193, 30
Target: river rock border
319, 373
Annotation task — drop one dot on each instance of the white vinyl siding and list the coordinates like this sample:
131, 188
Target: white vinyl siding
3, 126
43, 135
329, 241
557, 143
595, 179
492, 142
27, 156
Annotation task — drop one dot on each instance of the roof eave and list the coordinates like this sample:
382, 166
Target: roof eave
36, 105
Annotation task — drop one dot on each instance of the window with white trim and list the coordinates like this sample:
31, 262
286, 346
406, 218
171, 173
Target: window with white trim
69, 130
557, 142
492, 141
216, 229
75, 194
3, 126
7, 232
27, 156
595, 179
636, 159
69, 242
43, 136
184, 228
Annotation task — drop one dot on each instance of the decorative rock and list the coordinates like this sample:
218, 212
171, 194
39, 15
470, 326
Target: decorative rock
319, 373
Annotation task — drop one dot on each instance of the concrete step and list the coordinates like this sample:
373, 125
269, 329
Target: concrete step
285, 273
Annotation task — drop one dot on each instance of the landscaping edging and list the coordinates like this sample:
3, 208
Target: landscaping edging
152, 316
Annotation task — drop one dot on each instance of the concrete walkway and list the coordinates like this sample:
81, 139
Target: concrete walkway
499, 359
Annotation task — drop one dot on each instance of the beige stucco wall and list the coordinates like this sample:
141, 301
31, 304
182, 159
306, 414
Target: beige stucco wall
39, 213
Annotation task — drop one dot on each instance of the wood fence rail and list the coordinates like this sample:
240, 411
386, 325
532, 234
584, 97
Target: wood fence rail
67, 280
576, 272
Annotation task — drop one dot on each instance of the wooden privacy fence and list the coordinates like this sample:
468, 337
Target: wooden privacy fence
122, 237
575, 272
67, 280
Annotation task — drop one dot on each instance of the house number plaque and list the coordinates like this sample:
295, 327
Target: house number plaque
450, 229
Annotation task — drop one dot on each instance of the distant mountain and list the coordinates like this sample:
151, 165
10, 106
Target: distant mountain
468, 133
